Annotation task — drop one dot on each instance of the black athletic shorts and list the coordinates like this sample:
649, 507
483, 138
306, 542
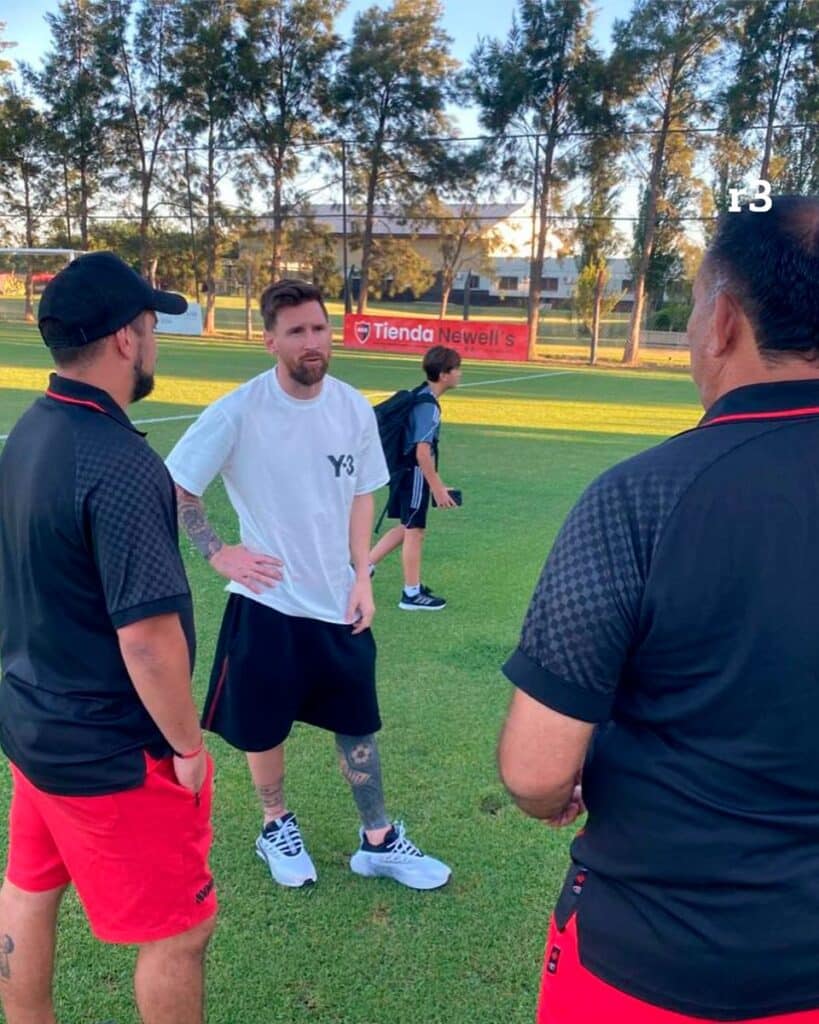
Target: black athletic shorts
271, 670
410, 500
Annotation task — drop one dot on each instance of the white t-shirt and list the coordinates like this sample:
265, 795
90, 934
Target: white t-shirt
291, 468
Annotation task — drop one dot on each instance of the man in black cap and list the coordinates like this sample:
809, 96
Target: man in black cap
112, 784
677, 614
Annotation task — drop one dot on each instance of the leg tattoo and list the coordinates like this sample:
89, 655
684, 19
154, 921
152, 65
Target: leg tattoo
361, 767
6, 949
272, 798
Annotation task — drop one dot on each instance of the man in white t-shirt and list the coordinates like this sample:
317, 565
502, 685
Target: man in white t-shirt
300, 457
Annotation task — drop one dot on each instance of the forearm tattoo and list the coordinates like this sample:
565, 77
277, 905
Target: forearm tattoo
6, 949
195, 523
361, 767
272, 798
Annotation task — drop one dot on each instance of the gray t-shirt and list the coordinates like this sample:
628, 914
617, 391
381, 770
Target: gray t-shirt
424, 423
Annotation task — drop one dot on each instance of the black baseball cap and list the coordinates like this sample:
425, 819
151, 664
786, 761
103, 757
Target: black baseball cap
94, 296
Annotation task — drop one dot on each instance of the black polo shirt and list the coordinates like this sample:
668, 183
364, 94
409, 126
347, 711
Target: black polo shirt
88, 545
679, 608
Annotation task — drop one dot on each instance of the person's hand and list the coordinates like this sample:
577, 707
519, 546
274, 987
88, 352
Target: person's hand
572, 811
253, 570
191, 771
361, 607
443, 499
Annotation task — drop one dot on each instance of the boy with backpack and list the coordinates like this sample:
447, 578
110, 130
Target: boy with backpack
409, 424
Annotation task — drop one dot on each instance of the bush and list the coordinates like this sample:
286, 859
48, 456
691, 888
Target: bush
12, 286
671, 318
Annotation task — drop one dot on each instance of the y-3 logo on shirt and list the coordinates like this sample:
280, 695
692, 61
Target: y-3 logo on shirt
345, 462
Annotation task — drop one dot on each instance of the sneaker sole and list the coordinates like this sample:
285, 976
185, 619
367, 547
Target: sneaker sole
365, 868
420, 607
287, 885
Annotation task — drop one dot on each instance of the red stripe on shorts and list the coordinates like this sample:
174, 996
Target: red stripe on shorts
217, 693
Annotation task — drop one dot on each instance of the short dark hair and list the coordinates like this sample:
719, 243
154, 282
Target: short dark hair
440, 359
285, 293
769, 262
80, 356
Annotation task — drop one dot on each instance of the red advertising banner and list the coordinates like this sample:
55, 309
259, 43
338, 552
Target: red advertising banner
474, 339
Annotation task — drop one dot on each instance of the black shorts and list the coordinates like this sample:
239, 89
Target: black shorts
410, 500
271, 670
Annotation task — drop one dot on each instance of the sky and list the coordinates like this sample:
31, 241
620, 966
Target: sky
464, 20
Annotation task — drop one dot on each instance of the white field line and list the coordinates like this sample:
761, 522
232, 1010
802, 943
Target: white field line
371, 394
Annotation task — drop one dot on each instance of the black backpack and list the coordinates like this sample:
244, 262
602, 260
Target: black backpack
392, 416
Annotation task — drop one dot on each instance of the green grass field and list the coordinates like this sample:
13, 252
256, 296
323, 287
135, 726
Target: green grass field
560, 336
522, 442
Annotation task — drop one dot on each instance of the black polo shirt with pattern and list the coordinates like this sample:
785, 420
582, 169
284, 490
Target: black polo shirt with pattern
679, 608
88, 545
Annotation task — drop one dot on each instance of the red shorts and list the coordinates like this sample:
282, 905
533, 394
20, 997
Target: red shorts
570, 994
138, 859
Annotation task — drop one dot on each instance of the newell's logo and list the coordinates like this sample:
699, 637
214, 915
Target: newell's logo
362, 332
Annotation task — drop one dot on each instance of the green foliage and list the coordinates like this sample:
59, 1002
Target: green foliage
5, 44
585, 294
284, 58
76, 85
673, 317
540, 81
11, 286
769, 42
398, 269
451, 206
389, 95
667, 53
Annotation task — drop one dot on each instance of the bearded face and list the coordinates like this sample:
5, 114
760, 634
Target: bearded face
301, 340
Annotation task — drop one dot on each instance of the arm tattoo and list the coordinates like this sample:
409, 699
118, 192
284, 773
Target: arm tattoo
6, 949
272, 798
195, 523
361, 767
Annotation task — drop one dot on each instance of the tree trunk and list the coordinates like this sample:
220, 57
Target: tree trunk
194, 260
369, 215
599, 284
209, 326
248, 304
445, 292
67, 197
28, 314
84, 197
144, 222
536, 268
631, 352
278, 222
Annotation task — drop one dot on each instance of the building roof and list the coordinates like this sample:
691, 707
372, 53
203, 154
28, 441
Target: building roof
390, 221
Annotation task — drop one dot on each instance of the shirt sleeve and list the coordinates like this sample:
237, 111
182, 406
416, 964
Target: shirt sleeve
584, 613
423, 423
372, 466
203, 451
130, 517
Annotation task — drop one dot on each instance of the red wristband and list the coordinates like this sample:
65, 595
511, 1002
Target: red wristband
193, 753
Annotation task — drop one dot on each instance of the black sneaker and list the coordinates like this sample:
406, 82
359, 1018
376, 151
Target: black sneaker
424, 601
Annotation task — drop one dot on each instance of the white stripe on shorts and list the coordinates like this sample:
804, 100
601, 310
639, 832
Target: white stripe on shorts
417, 488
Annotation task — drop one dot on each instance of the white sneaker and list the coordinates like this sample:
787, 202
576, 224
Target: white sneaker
400, 859
280, 845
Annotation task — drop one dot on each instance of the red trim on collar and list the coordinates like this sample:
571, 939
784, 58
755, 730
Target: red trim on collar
74, 401
811, 410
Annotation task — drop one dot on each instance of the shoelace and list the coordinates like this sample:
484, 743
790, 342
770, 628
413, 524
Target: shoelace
402, 845
286, 839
